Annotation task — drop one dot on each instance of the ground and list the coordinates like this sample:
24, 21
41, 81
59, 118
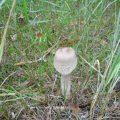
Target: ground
29, 84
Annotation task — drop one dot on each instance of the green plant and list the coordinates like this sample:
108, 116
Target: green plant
25, 8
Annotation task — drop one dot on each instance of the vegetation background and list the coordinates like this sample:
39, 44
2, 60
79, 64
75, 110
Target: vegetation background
30, 33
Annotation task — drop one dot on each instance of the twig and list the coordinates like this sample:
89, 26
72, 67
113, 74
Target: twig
7, 78
34, 61
38, 60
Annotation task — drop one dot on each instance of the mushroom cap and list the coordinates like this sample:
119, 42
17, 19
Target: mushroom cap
65, 60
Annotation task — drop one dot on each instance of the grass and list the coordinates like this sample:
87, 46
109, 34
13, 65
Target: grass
29, 85
25, 10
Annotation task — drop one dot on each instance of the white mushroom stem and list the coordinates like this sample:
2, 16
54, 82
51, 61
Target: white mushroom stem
65, 85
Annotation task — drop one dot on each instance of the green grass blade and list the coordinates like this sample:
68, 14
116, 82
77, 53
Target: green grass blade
114, 70
25, 9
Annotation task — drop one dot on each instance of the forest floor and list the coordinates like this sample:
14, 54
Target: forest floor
29, 84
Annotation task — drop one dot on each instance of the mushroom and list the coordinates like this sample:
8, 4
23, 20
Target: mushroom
65, 61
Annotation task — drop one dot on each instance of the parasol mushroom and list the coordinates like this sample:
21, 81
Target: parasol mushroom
65, 61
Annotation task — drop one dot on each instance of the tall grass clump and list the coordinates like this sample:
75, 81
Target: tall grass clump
111, 75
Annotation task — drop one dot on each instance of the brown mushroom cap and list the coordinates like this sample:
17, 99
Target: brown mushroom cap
65, 60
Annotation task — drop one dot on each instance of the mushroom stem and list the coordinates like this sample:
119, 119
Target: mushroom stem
65, 85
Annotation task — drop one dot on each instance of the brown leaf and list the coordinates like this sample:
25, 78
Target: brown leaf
38, 35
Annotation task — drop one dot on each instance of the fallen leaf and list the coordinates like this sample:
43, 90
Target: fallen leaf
38, 35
